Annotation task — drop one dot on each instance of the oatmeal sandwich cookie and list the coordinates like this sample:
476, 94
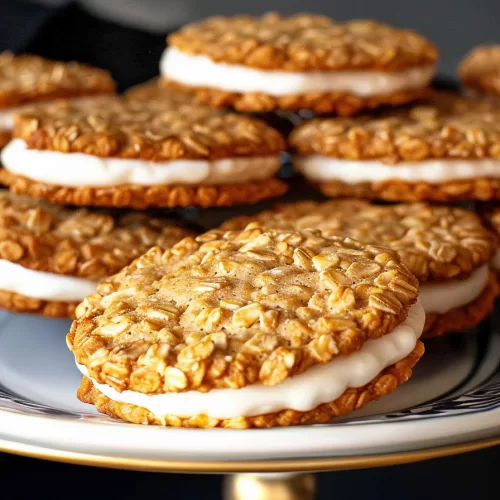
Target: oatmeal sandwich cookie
52, 257
479, 71
447, 249
133, 153
299, 62
28, 79
249, 328
446, 150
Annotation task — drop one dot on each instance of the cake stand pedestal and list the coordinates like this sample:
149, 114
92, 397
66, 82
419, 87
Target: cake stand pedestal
279, 486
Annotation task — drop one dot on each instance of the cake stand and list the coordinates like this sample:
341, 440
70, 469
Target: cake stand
451, 405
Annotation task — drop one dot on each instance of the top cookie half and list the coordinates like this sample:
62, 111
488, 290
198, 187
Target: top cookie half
447, 149
154, 153
436, 243
298, 62
26, 79
229, 309
479, 71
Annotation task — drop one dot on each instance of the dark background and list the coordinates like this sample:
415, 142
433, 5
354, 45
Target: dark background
473, 476
454, 25
127, 37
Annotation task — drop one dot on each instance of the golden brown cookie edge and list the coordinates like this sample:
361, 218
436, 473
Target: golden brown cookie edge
142, 197
401, 191
60, 94
342, 104
17, 303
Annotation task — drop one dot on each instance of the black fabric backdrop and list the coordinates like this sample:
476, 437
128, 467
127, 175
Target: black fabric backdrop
132, 56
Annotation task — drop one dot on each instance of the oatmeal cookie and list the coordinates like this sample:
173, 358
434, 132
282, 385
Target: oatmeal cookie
132, 153
445, 150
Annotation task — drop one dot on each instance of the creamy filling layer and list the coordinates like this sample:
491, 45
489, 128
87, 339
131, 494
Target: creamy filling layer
443, 297
43, 286
495, 262
7, 115
201, 71
80, 169
324, 169
319, 384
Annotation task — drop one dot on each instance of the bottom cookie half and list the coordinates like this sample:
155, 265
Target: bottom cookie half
352, 399
394, 190
17, 303
141, 197
318, 102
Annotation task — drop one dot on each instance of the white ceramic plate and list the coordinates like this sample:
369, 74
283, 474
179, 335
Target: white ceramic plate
452, 399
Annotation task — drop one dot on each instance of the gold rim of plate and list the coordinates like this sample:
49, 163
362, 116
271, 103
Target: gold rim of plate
238, 466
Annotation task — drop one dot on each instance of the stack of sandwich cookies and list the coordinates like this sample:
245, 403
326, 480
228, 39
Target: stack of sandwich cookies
249, 328
298, 62
51, 257
447, 249
479, 72
132, 153
27, 79
446, 150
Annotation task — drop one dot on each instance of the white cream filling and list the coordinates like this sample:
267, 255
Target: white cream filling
7, 115
43, 286
7, 118
317, 385
80, 169
495, 262
324, 169
201, 71
442, 297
